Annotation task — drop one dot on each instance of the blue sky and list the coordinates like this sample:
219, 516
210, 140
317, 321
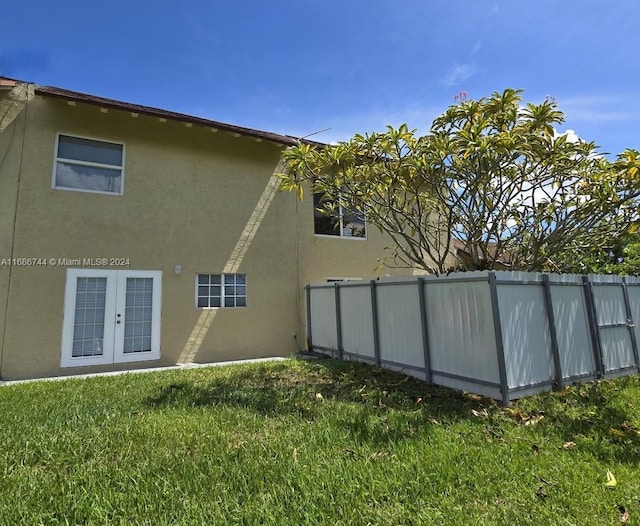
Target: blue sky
297, 67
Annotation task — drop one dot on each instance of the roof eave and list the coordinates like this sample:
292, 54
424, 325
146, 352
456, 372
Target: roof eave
49, 91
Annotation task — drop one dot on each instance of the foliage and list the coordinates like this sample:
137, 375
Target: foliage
493, 174
616, 255
323, 442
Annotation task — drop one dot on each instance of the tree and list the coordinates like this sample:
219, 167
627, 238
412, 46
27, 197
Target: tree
493, 174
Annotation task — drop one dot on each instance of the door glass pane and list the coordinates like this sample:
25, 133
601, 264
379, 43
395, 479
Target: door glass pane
88, 329
137, 315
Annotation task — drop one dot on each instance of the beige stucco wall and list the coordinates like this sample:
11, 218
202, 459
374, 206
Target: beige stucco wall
189, 194
12, 128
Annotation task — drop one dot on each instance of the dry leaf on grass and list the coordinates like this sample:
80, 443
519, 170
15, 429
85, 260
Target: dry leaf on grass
480, 414
569, 445
611, 480
533, 420
624, 515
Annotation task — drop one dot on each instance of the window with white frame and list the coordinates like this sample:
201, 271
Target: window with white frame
88, 165
221, 290
332, 219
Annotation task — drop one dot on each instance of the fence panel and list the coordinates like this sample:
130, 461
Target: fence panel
400, 326
572, 329
461, 336
611, 315
323, 319
357, 323
633, 289
525, 335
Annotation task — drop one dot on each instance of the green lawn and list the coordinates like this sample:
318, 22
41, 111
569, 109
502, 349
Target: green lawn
321, 442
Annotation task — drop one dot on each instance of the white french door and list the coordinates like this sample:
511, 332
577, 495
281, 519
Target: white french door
111, 316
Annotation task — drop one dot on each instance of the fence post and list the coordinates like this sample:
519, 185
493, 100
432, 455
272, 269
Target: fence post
425, 331
307, 293
593, 326
336, 288
497, 327
374, 319
630, 322
548, 301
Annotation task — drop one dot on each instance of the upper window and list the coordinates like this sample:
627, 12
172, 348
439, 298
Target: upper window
87, 165
221, 290
332, 219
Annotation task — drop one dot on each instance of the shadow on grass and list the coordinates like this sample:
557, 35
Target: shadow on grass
375, 405
378, 406
601, 416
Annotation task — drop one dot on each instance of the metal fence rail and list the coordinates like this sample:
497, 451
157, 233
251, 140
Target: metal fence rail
499, 334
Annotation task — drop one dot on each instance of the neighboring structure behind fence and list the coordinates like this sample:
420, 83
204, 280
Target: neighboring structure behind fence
500, 334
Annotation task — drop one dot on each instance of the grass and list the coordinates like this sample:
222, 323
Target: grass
323, 442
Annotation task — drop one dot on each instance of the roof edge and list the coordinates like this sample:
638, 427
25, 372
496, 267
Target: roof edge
75, 96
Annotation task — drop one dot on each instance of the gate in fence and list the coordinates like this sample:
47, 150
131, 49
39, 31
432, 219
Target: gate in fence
498, 334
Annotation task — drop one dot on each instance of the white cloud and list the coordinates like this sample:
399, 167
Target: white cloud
572, 136
458, 74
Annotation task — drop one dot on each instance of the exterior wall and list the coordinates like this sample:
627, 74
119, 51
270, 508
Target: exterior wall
202, 200
323, 257
12, 126
188, 194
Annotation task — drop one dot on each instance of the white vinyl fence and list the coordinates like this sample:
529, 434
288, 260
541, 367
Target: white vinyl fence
499, 334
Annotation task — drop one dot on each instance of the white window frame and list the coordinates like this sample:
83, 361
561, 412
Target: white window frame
57, 159
341, 235
115, 301
222, 294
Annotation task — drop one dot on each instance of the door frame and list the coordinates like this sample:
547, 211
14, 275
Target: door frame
115, 301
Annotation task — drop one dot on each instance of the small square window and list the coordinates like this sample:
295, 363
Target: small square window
221, 290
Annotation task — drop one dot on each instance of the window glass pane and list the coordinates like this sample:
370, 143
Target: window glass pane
203, 279
229, 291
203, 302
216, 290
241, 279
88, 330
353, 224
89, 151
139, 301
215, 278
229, 279
81, 177
229, 302
241, 301
214, 302
203, 290
325, 220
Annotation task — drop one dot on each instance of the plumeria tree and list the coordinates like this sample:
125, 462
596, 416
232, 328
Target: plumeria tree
492, 175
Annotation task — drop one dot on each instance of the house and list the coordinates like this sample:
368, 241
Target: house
462, 257
134, 237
